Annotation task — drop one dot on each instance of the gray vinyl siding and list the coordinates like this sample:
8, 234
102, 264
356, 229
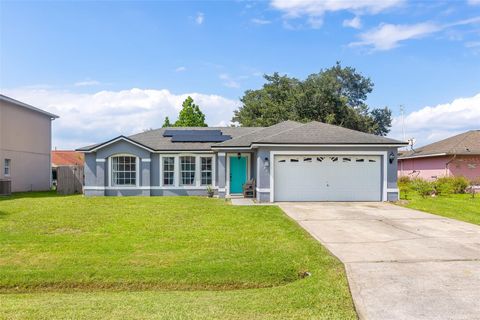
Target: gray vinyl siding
264, 173
97, 171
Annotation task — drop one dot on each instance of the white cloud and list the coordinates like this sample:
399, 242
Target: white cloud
472, 44
228, 81
260, 21
92, 118
199, 18
315, 10
430, 124
474, 2
297, 8
181, 69
388, 36
87, 83
355, 23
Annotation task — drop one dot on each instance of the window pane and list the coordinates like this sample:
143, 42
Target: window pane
124, 170
187, 172
206, 170
168, 170
6, 167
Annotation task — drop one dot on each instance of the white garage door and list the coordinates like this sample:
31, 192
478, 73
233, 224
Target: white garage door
327, 178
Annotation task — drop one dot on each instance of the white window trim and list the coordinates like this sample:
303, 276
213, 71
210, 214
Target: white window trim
197, 185
175, 162
227, 177
137, 172
195, 178
200, 171
284, 153
9, 167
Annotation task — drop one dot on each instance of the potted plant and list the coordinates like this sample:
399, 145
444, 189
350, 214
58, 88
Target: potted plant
210, 191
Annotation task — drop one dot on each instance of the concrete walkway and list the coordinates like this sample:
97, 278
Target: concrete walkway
400, 263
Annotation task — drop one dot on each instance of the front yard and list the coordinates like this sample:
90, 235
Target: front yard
161, 257
455, 206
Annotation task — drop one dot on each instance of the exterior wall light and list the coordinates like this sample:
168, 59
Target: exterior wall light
391, 157
266, 162
239, 155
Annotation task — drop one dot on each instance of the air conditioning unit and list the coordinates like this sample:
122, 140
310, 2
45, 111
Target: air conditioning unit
5, 187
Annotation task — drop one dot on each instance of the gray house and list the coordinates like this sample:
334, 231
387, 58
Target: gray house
289, 161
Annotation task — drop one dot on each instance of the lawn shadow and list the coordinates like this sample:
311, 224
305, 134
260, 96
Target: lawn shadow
33, 194
3, 214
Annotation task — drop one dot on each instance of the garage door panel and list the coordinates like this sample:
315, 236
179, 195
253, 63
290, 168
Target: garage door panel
327, 178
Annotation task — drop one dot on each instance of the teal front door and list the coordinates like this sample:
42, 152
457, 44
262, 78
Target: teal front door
238, 173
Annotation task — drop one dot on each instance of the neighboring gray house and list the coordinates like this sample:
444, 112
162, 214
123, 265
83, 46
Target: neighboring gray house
25, 145
290, 161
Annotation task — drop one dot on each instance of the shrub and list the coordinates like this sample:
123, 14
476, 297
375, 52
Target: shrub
404, 190
443, 186
459, 184
423, 187
404, 180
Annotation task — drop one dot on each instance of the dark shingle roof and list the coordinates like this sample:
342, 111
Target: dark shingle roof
287, 132
321, 133
248, 139
467, 143
155, 139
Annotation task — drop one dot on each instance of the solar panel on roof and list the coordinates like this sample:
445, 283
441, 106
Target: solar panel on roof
173, 132
200, 138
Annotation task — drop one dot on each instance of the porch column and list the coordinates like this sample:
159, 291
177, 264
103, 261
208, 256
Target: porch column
145, 174
221, 172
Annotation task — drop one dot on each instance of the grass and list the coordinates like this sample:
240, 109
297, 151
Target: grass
69, 257
456, 206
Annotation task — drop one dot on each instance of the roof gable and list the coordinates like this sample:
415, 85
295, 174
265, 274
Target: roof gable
95, 147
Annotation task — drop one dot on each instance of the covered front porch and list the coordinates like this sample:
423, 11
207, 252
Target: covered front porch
235, 169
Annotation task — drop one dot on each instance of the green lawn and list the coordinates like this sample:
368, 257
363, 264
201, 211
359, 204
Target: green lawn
161, 257
455, 206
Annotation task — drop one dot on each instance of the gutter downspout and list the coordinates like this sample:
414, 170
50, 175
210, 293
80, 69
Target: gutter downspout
448, 163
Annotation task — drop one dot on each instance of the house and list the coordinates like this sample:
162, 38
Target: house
455, 156
68, 158
25, 144
290, 161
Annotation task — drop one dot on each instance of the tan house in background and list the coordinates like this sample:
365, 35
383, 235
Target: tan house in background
25, 144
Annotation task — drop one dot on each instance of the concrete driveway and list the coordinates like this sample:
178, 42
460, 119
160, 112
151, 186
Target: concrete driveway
400, 263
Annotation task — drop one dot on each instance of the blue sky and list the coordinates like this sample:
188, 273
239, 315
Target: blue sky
110, 68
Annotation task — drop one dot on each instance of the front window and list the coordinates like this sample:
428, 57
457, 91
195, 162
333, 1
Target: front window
6, 167
187, 170
124, 171
168, 171
206, 170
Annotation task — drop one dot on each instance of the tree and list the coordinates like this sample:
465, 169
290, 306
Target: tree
336, 96
166, 123
382, 121
190, 115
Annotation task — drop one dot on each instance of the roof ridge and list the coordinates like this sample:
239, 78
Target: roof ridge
246, 134
283, 131
257, 131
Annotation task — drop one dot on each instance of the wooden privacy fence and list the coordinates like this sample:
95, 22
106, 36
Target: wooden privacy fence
69, 179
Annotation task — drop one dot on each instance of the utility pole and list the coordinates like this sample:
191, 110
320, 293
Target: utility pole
402, 113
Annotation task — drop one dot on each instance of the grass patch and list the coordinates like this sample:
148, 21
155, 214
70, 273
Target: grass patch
161, 257
456, 206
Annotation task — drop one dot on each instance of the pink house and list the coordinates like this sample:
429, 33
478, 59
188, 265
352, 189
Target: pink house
455, 156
